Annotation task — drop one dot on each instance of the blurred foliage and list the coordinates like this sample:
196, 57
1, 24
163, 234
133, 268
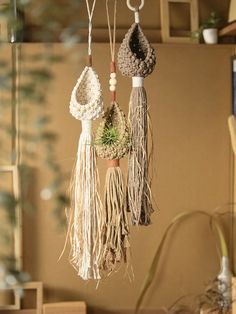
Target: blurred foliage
47, 20
38, 140
9, 276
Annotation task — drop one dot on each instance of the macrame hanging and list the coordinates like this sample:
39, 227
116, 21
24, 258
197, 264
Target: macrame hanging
136, 59
85, 220
112, 143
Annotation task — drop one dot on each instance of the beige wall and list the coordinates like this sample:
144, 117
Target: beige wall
150, 16
190, 99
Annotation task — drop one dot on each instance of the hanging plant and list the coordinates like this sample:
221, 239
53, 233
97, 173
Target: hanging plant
136, 59
112, 143
112, 137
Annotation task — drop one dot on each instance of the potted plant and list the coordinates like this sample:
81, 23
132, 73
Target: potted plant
209, 29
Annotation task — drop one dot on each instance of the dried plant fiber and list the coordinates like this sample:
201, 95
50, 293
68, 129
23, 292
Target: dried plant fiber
116, 230
138, 185
86, 210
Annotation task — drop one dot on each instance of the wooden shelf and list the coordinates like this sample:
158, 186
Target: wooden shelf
229, 30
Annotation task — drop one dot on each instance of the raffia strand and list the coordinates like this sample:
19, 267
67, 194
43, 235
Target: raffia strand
87, 214
116, 230
138, 185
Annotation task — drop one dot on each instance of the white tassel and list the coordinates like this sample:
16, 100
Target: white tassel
87, 222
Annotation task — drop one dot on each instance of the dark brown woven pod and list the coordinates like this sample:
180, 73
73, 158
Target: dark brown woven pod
136, 57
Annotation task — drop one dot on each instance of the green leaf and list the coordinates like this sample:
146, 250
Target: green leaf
8, 203
40, 74
109, 136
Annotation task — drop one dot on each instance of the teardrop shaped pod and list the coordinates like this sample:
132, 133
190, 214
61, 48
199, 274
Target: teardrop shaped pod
86, 98
112, 136
136, 56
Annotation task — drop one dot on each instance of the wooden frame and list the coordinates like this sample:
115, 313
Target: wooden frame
165, 21
38, 286
3, 22
34, 285
232, 11
234, 85
15, 305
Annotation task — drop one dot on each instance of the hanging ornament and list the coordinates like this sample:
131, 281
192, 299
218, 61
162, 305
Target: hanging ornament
112, 143
136, 59
85, 220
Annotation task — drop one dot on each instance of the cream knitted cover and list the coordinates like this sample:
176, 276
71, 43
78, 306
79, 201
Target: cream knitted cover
86, 98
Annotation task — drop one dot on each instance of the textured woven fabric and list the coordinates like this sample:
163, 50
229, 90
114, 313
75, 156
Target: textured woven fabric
136, 57
115, 118
86, 98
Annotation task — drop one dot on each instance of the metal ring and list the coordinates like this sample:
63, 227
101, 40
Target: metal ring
135, 8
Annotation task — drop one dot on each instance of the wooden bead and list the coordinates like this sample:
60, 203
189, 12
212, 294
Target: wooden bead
113, 75
112, 81
112, 88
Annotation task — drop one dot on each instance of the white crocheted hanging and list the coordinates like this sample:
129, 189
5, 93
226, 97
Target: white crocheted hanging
86, 209
86, 98
85, 219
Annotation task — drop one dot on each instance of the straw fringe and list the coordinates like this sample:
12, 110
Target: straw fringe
138, 187
86, 212
116, 230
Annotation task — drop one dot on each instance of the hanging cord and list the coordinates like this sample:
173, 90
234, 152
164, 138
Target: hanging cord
112, 40
135, 9
90, 16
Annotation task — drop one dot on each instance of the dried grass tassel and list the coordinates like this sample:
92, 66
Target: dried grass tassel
112, 143
87, 220
138, 187
136, 59
116, 231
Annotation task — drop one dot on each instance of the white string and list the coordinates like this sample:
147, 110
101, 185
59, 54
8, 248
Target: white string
90, 16
112, 38
136, 10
